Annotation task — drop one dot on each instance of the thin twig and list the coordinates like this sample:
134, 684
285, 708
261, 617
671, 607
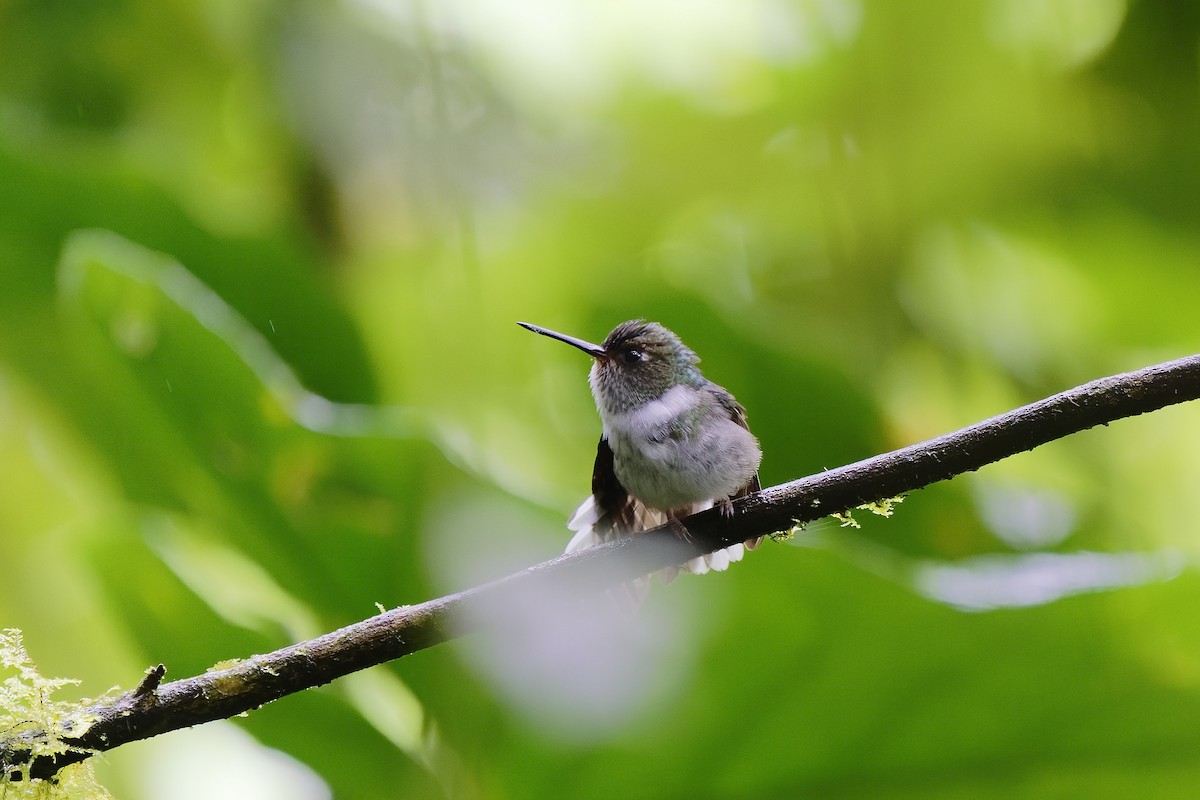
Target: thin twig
258, 680
145, 690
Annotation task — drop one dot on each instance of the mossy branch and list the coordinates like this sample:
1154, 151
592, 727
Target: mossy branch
152, 708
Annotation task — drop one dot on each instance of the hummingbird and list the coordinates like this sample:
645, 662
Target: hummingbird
673, 442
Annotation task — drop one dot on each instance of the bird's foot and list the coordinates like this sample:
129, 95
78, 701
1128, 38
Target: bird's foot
678, 527
726, 506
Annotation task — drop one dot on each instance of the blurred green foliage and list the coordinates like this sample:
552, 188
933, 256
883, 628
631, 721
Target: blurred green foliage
259, 268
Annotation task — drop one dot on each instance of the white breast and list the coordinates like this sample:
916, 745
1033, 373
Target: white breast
651, 417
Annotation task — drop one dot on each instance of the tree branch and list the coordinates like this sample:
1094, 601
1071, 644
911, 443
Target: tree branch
152, 709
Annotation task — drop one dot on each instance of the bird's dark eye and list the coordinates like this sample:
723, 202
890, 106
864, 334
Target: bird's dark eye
632, 355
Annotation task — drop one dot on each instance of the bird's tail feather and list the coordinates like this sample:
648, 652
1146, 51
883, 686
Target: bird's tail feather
588, 532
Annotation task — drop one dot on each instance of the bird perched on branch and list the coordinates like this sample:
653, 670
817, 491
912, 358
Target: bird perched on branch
673, 444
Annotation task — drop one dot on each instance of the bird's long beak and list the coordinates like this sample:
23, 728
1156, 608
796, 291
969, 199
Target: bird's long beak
593, 350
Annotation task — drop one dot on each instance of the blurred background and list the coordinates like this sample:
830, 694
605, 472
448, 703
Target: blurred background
260, 264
